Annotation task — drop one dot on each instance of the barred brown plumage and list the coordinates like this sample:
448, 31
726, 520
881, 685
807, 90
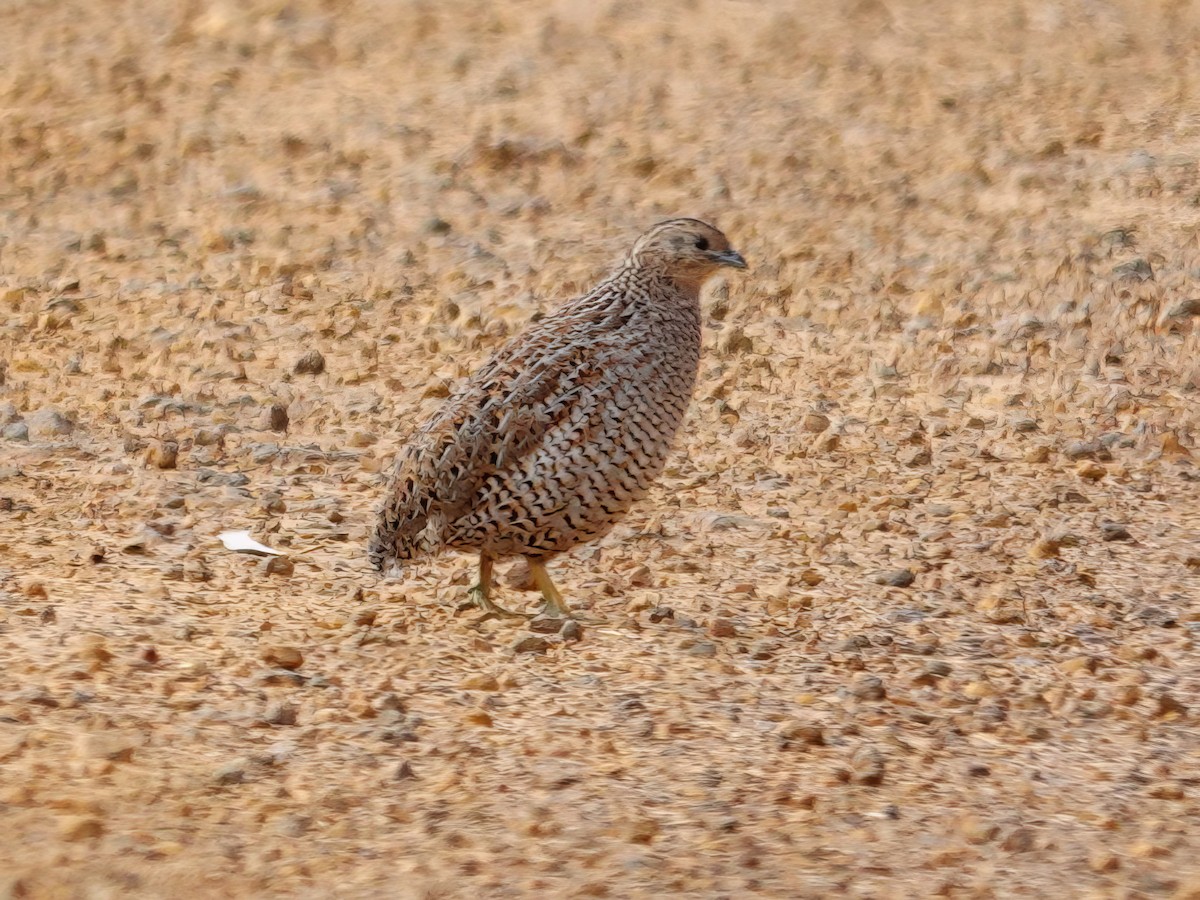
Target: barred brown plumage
567, 425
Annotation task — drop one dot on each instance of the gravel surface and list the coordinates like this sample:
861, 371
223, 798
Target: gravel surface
914, 611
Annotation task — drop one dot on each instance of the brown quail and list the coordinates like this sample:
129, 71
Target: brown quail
567, 425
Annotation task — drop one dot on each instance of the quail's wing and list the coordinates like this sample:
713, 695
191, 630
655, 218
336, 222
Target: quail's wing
505, 412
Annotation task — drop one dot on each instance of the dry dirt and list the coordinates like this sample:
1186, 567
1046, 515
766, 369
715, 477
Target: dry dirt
914, 611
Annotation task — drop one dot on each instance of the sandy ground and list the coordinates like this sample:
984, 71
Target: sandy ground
914, 611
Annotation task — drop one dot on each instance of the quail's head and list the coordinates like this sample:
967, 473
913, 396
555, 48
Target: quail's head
688, 250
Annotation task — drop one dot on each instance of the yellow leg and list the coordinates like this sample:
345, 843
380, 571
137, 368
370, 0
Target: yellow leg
481, 593
555, 608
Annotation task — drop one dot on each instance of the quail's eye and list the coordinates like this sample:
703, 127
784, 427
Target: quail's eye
701, 243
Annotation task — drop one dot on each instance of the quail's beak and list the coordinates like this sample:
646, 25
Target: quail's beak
728, 258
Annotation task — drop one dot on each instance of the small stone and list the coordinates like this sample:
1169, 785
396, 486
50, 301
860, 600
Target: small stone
706, 649
1077, 450
276, 417
311, 363
867, 766
791, 733
765, 649
723, 628
1167, 790
280, 712
978, 831
978, 770
162, 455
814, 423
811, 577
1167, 705
1156, 616
208, 437
894, 577
363, 439
80, 828
1079, 664
659, 613
572, 631
530, 643
978, 690
93, 649
404, 771
1135, 270
1019, 840
1190, 307
113, 746
233, 772
642, 830
480, 682
39, 696
278, 565
280, 677
868, 687
1090, 470
1193, 563
1101, 860
1113, 531
1037, 455
49, 422
1046, 548
365, 618
283, 657
543, 624
17, 431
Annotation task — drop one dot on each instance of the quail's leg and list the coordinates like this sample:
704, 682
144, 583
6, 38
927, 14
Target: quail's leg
481, 593
556, 607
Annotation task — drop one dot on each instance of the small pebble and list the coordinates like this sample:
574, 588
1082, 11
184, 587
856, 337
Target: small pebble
792, 733
276, 417
278, 565
1113, 531
80, 828
311, 363
572, 631
283, 657
723, 628
868, 687
814, 423
233, 772
17, 431
895, 578
530, 643
546, 624
163, 455
280, 712
867, 766
48, 422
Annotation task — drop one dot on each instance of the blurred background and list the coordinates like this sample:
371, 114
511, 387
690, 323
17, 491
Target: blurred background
913, 613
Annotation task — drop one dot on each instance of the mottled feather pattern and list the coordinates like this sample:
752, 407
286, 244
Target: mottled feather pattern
567, 425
